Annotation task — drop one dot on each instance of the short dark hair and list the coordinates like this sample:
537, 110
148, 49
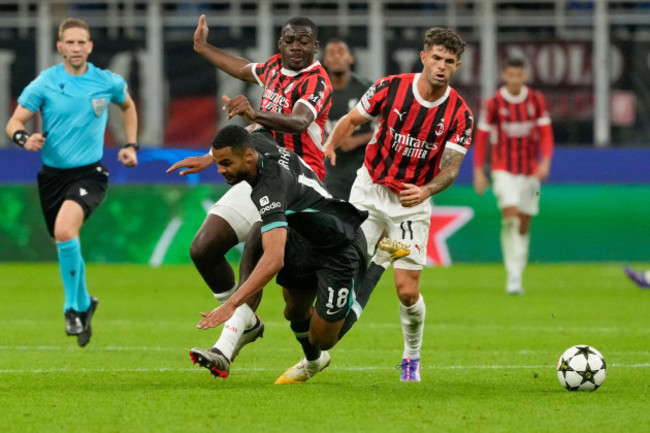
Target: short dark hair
338, 40
302, 22
514, 62
232, 136
445, 37
73, 23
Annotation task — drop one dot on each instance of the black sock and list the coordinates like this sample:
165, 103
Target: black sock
368, 284
301, 331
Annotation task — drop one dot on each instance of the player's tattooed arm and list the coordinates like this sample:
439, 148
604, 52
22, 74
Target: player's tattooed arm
413, 195
449, 167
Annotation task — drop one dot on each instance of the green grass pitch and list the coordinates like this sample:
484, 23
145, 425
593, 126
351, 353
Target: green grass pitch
488, 359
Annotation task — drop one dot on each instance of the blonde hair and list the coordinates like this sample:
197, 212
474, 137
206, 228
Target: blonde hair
73, 23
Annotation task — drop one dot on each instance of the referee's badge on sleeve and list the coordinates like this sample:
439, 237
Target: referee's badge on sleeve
99, 105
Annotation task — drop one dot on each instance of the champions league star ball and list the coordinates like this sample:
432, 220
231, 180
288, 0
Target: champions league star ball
581, 368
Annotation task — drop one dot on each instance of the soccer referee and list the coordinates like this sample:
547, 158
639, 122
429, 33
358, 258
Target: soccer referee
73, 98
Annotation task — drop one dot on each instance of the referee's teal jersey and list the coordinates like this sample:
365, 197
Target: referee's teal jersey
74, 111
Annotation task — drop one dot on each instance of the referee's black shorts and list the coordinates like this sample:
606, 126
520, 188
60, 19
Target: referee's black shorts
86, 185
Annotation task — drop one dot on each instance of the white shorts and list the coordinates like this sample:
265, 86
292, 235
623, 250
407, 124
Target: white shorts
516, 190
405, 224
236, 207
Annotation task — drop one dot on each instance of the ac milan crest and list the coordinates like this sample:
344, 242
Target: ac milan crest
440, 128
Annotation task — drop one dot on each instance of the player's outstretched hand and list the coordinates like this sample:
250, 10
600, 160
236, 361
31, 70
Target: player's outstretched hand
217, 316
412, 195
201, 32
193, 164
128, 156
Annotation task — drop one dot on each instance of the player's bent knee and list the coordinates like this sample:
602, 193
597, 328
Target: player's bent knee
64, 234
408, 294
198, 251
212, 241
208, 251
408, 299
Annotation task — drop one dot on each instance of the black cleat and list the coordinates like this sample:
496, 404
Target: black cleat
213, 360
73, 325
83, 337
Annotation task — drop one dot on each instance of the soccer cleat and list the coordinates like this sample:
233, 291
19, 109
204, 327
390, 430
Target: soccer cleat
638, 277
213, 360
513, 287
249, 335
515, 291
304, 370
389, 251
73, 325
83, 337
410, 370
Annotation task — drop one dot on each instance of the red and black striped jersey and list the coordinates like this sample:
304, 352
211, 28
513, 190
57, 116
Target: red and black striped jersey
518, 127
283, 89
411, 132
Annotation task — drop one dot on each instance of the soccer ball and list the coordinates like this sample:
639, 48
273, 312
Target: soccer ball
581, 368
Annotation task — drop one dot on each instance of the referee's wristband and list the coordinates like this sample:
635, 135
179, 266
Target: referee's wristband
20, 137
136, 146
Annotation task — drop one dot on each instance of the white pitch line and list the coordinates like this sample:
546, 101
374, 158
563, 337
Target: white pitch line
644, 353
479, 327
164, 242
191, 369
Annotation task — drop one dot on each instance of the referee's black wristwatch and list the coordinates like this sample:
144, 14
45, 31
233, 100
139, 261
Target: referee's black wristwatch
136, 146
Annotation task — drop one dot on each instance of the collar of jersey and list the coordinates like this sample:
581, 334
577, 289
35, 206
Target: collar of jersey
521, 97
73, 77
424, 102
290, 73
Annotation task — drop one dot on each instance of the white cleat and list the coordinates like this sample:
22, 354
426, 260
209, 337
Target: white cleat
514, 287
304, 370
516, 291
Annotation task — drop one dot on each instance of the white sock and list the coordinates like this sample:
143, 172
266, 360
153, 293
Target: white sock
233, 329
224, 296
524, 247
511, 248
412, 319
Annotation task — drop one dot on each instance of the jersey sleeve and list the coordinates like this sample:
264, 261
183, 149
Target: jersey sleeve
374, 99
315, 93
460, 135
483, 132
33, 96
269, 196
544, 125
119, 89
261, 70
